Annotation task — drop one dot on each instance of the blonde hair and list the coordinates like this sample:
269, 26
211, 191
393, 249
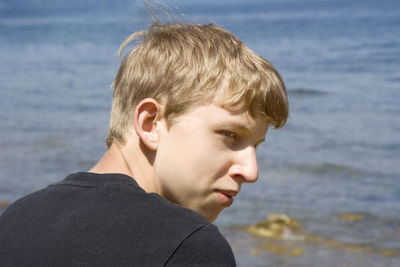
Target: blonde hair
184, 65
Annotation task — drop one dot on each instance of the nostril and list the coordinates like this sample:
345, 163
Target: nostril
239, 178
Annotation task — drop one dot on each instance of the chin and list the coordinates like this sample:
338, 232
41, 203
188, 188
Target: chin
211, 217
209, 212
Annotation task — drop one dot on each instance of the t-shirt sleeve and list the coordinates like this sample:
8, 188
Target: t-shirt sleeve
204, 247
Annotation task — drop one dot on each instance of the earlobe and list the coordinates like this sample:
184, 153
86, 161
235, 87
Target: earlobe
146, 121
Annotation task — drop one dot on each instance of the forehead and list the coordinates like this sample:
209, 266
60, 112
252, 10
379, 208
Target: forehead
213, 115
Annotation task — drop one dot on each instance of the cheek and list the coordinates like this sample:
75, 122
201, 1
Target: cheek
181, 161
175, 158
191, 154
190, 160
202, 158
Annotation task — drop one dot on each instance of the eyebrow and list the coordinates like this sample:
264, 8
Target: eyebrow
240, 127
235, 124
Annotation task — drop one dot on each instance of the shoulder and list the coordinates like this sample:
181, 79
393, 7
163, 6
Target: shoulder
206, 247
114, 218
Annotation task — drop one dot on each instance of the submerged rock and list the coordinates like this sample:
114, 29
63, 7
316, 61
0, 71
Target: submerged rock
278, 249
279, 226
352, 216
4, 204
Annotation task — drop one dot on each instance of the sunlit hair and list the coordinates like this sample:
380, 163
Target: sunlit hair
185, 65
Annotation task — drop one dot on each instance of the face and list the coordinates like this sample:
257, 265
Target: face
205, 156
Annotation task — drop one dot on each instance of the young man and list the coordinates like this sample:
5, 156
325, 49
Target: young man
190, 105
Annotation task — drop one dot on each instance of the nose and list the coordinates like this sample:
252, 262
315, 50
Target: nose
245, 166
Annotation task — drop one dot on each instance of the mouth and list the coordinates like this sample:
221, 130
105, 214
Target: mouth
225, 197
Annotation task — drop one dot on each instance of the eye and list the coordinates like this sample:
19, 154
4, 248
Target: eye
229, 134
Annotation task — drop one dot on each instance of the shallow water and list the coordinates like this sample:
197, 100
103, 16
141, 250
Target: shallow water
339, 152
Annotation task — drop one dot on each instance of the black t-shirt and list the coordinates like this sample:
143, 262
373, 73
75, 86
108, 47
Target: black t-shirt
106, 220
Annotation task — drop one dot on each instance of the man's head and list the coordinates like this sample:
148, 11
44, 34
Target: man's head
199, 102
185, 65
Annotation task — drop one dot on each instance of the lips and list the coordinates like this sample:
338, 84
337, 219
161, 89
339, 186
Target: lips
230, 193
225, 197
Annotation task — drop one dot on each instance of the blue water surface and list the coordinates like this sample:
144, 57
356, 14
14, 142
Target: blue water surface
339, 152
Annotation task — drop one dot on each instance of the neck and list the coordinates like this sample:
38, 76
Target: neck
128, 160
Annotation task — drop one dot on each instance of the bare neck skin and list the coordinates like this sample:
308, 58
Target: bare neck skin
129, 159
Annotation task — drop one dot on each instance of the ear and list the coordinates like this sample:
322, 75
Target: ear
147, 115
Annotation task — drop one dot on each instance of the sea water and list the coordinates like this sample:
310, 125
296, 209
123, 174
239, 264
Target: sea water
338, 154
